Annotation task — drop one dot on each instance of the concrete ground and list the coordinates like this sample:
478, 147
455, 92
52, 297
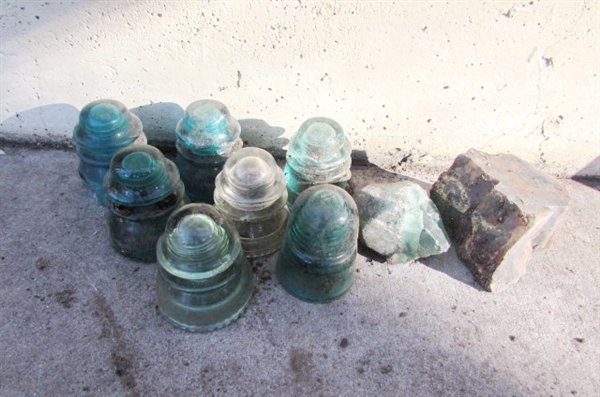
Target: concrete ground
79, 319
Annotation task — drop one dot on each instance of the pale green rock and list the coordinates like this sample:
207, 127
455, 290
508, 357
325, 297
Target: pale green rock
399, 221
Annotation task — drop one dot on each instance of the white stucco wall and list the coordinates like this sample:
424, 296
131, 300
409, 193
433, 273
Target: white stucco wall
429, 79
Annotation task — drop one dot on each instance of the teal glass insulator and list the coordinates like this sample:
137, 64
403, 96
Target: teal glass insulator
318, 153
316, 261
206, 136
104, 128
143, 189
251, 193
204, 281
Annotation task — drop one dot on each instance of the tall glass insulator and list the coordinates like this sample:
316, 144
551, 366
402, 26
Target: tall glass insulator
206, 136
204, 281
251, 193
105, 127
316, 262
142, 190
318, 153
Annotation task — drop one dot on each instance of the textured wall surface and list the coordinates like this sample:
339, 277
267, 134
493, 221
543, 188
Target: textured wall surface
423, 81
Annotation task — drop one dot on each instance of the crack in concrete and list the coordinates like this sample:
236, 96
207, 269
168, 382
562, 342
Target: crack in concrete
540, 150
570, 30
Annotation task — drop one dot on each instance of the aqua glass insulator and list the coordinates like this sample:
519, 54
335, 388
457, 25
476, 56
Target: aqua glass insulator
251, 193
204, 280
104, 128
143, 189
318, 153
316, 261
206, 136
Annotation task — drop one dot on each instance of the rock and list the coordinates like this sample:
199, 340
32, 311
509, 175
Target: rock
497, 209
399, 221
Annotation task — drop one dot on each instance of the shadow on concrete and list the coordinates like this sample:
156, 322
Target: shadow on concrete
450, 264
48, 126
372, 173
589, 175
159, 121
51, 126
372, 256
259, 133
47, 120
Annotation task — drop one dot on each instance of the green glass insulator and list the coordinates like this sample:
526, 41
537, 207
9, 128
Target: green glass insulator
251, 193
143, 189
318, 153
316, 261
104, 128
204, 281
206, 136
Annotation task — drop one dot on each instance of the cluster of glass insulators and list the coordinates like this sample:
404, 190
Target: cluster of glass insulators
204, 280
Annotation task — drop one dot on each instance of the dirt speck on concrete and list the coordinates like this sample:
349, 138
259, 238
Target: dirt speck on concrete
66, 297
301, 363
42, 263
122, 355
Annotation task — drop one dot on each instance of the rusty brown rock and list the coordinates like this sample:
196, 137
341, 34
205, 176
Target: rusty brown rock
498, 209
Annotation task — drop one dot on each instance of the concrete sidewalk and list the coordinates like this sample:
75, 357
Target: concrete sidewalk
79, 319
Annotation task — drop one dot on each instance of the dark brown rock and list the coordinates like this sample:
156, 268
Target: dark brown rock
498, 209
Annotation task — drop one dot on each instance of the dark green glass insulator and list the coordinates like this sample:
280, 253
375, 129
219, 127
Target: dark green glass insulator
206, 136
318, 153
143, 189
204, 280
316, 262
250, 192
104, 128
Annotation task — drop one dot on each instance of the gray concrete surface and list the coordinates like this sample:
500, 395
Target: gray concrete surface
79, 320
